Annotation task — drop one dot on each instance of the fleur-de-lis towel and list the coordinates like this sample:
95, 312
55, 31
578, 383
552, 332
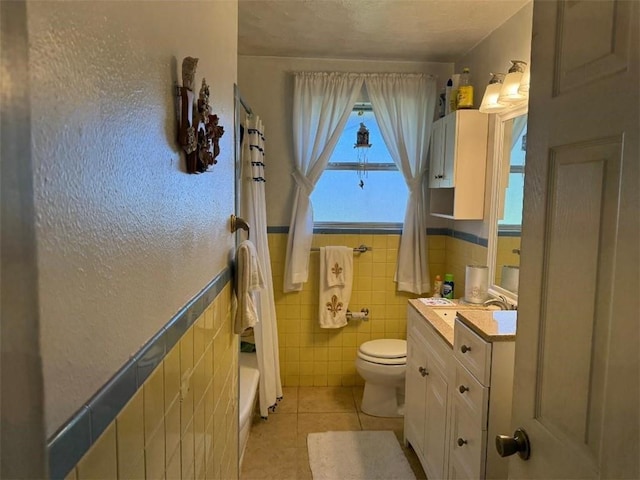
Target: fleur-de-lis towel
338, 260
336, 282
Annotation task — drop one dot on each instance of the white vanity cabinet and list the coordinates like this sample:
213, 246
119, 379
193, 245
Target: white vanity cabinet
480, 404
427, 395
458, 158
458, 391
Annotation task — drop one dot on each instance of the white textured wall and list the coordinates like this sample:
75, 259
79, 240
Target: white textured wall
266, 84
125, 238
510, 41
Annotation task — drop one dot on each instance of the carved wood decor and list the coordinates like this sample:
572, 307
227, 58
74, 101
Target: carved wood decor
199, 132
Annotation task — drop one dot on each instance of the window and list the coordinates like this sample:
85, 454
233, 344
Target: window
338, 196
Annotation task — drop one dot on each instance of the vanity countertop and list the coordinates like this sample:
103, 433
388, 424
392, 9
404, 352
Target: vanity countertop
490, 325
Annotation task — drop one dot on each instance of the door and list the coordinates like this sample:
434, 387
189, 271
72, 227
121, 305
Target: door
436, 154
435, 426
415, 382
576, 389
449, 154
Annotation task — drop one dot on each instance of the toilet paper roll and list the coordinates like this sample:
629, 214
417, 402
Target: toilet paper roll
510, 278
476, 283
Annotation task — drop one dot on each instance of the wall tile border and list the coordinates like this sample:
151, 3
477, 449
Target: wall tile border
73, 439
449, 232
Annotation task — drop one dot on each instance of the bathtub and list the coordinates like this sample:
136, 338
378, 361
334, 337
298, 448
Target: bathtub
248, 382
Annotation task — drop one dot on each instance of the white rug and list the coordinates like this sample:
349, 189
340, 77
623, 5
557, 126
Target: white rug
361, 455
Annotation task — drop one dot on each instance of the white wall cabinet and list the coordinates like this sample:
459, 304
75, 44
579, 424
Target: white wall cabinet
457, 165
457, 400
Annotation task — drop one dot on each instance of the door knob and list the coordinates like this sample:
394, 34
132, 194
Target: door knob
519, 444
463, 389
423, 371
465, 349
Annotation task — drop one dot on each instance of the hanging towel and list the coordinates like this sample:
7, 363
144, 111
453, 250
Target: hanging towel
338, 261
335, 293
248, 280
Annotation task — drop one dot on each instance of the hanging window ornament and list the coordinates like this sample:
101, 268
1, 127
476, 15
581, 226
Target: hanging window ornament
362, 145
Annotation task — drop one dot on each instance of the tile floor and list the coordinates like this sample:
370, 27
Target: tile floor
277, 447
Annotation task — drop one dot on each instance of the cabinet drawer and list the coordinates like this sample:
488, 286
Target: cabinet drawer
472, 394
472, 352
467, 443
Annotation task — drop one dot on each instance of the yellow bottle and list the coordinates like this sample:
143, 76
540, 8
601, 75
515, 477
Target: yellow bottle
465, 90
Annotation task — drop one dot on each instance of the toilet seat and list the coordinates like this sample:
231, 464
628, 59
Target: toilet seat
384, 351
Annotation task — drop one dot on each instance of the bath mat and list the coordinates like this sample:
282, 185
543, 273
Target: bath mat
360, 455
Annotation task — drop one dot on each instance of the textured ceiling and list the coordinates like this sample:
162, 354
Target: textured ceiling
425, 30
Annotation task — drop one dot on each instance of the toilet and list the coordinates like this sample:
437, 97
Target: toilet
382, 364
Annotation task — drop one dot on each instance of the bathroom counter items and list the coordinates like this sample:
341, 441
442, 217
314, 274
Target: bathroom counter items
490, 325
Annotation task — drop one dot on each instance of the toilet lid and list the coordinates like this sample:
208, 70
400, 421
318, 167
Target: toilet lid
383, 361
384, 348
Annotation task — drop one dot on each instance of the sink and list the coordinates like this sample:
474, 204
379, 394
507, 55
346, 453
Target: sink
446, 314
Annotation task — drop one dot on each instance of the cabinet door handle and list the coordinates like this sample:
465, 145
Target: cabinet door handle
465, 349
461, 442
463, 389
423, 371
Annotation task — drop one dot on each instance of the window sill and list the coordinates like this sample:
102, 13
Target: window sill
357, 228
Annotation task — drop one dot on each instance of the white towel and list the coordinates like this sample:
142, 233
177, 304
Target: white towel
338, 260
334, 298
249, 280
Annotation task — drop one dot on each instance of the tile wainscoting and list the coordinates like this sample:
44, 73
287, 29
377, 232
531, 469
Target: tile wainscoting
311, 356
180, 419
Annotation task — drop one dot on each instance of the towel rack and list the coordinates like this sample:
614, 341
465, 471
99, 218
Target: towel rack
361, 249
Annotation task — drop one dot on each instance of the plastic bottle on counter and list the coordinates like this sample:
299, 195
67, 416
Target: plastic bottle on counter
437, 287
465, 90
447, 286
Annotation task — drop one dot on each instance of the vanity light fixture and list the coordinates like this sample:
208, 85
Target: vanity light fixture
524, 83
510, 92
505, 92
490, 100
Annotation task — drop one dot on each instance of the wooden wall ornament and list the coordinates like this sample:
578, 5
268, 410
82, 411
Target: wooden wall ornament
199, 132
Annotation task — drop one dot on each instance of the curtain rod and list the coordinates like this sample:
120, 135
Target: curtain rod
364, 74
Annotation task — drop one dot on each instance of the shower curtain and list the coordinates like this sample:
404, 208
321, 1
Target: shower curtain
253, 209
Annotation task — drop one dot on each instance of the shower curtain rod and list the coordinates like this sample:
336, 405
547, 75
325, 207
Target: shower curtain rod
246, 107
244, 104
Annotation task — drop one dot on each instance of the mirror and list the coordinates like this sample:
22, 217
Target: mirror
505, 221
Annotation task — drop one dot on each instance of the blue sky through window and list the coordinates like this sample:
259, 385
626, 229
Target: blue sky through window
338, 197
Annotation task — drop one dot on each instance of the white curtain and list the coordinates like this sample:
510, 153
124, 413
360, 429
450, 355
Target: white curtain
254, 211
322, 103
404, 106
